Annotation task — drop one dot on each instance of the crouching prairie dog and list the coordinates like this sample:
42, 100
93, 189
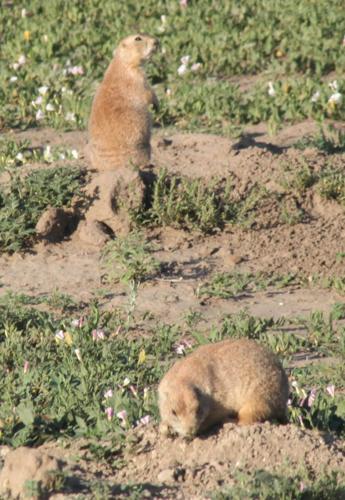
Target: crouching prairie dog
237, 379
120, 120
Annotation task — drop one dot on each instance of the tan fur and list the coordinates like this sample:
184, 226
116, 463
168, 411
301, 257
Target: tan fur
120, 121
230, 379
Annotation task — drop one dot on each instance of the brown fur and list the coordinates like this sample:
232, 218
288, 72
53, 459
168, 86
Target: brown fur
120, 121
230, 379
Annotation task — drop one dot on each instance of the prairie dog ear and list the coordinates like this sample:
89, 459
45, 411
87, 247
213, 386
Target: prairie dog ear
197, 392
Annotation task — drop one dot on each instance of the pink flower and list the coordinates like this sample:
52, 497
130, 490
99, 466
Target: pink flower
122, 415
182, 346
109, 413
75, 70
311, 398
331, 390
108, 394
78, 354
79, 322
26, 366
145, 420
133, 391
60, 335
184, 3
97, 335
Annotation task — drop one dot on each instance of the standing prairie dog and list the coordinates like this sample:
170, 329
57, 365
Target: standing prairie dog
230, 379
120, 120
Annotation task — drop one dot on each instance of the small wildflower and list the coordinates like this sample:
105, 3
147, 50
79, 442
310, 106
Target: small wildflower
109, 413
333, 85
122, 415
26, 366
142, 357
70, 117
39, 115
195, 67
168, 92
78, 322
301, 486
13, 79
45, 38
68, 338
182, 70
23, 13
37, 101
146, 393
335, 98
126, 382
75, 70
78, 354
20, 157
60, 335
184, 3
62, 156
185, 60
343, 42
27, 35
97, 335
50, 107
271, 90
21, 60
316, 96
47, 154
311, 398
75, 154
133, 391
181, 347
331, 390
145, 420
163, 25
43, 90
108, 394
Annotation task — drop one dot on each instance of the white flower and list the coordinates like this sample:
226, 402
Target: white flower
78, 354
39, 115
331, 390
122, 415
37, 101
144, 420
47, 154
126, 382
316, 96
161, 28
62, 156
45, 38
181, 70
108, 394
185, 60
168, 92
15, 66
21, 60
13, 79
333, 85
20, 157
75, 154
50, 107
60, 335
43, 90
109, 413
196, 67
23, 13
271, 90
335, 98
70, 117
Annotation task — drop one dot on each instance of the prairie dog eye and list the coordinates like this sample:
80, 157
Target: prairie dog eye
174, 413
138, 39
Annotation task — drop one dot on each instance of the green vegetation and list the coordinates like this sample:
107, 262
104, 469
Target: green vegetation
49, 69
25, 198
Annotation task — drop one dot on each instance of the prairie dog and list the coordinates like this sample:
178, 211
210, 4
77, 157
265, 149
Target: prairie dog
120, 120
234, 378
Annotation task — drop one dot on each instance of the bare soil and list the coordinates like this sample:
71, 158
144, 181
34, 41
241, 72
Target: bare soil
174, 468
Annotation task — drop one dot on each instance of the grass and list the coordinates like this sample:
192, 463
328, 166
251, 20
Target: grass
49, 70
264, 485
25, 198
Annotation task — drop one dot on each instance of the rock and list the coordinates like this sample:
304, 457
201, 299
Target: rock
24, 465
115, 194
94, 233
166, 476
54, 223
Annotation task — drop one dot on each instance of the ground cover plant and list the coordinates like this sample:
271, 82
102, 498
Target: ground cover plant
87, 333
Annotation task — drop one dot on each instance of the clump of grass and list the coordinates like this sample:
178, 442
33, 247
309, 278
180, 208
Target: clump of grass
264, 485
24, 200
129, 259
298, 177
331, 185
329, 140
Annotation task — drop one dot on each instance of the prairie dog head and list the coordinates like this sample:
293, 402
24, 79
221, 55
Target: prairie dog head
134, 50
182, 410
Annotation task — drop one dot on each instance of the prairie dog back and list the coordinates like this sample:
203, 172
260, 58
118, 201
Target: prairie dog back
239, 379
